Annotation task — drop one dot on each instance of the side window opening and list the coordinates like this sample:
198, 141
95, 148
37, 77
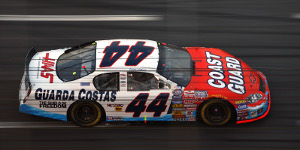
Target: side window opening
163, 85
107, 82
175, 64
140, 81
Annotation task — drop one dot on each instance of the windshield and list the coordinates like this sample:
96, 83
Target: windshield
77, 62
175, 64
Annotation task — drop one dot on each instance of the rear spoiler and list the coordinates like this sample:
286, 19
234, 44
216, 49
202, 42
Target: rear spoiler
28, 58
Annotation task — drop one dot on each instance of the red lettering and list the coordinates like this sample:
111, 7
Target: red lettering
47, 75
48, 64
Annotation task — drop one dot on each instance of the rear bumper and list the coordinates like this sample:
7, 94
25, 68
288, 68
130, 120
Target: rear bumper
24, 108
260, 111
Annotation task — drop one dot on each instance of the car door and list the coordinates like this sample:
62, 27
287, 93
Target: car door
107, 92
144, 96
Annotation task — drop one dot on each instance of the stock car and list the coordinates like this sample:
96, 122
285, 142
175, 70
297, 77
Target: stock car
141, 80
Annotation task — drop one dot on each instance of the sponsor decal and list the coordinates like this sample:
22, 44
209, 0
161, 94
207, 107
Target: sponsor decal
218, 96
177, 92
190, 101
236, 78
114, 118
50, 104
177, 102
47, 68
253, 113
242, 106
191, 119
97, 95
123, 85
190, 105
83, 94
177, 112
241, 118
189, 113
177, 97
201, 94
178, 116
189, 94
123, 78
260, 110
191, 109
243, 114
115, 105
123, 81
178, 109
84, 83
118, 118
240, 102
118, 108
123, 75
179, 119
109, 118
41, 94
177, 105
243, 110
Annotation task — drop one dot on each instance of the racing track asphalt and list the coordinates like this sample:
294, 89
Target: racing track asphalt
260, 32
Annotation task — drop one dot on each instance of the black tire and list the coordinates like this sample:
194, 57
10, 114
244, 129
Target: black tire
86, 113
216, 113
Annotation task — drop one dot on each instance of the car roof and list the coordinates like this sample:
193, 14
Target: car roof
150, 62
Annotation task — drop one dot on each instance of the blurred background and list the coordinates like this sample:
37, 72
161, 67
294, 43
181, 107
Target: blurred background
263, 33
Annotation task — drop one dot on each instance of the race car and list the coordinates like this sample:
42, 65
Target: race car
142, 80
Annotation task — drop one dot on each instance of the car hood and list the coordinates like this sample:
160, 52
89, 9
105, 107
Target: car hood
221, 74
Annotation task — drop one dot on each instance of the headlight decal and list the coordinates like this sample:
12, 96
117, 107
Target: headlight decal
253, 98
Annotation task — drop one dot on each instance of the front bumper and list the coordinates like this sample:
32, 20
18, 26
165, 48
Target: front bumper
257, 112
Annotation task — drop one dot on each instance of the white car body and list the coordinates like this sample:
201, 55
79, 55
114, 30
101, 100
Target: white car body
43, 99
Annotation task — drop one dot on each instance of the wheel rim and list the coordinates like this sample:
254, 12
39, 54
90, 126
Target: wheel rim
216, 112
86, 113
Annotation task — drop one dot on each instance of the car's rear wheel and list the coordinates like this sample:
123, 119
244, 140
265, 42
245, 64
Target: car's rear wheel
86, 113
216, 113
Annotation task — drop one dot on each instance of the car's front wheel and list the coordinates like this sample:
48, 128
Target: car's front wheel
216, 113
85, 113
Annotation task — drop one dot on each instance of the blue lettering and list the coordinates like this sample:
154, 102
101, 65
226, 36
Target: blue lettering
101, 93
79, 95
45, 96
51, 97
38, 94
88, 95
71, 95
113, 96
95, 95
58, 94
106, 98
65, 95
